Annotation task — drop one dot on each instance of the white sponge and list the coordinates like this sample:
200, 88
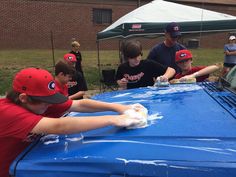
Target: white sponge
138, 112
161, 84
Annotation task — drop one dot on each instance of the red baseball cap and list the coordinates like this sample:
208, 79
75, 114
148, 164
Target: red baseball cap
39, 84
182, 55
69, 57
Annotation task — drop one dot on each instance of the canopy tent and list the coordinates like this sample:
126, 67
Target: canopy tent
151, 19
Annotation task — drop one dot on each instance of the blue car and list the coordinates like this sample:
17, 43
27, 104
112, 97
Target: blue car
191, 132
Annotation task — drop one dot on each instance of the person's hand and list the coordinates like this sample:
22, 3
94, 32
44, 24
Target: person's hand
125, 121
186, 78
174, 81
162, 79
123, 83
134, 115
121, 108
137, 107
227, 52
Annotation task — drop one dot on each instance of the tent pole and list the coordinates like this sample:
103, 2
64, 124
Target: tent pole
99, 65
120, 52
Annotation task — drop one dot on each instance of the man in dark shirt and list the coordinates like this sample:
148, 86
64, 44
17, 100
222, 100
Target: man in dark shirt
164, 52
136, 73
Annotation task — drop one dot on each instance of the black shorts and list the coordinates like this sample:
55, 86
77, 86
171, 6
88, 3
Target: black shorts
229, 65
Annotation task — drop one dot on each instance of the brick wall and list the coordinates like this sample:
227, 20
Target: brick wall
29, 24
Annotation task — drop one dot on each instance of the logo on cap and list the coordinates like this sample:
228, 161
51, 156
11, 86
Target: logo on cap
176, 28
183, 55
51, 85
70, 58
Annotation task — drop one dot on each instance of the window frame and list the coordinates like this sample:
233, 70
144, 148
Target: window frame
102, 16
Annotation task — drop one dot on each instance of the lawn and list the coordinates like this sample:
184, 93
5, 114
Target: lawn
11, 61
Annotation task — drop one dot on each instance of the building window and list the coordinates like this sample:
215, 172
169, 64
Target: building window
102, 16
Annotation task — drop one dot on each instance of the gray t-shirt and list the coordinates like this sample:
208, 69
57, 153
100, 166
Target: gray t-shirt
230, 59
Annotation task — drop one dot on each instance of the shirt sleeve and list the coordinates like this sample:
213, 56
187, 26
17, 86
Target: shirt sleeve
226, 48
17, 122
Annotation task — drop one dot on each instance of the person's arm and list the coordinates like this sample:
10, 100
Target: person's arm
88, 105
230, 53
121, 81
77, 95
68, 125
205, 71
170, 72
227, 52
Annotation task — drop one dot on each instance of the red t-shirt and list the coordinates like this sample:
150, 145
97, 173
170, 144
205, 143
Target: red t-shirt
193, 70
16, 125
57, 110
63, 89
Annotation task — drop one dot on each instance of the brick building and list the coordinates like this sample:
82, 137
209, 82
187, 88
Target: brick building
32, 23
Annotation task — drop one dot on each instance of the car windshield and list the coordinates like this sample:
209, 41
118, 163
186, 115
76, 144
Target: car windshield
231, 78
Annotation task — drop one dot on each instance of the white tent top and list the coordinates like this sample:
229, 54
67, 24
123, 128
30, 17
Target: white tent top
163, 12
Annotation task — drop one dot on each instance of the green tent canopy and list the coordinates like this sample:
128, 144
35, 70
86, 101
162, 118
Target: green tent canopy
151, 19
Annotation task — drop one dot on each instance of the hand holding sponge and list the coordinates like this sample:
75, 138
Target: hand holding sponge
138, 112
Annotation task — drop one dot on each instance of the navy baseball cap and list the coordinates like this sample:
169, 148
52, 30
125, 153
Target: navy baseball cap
173, 29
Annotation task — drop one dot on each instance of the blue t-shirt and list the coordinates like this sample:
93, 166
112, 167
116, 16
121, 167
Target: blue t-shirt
165, 55
230, 59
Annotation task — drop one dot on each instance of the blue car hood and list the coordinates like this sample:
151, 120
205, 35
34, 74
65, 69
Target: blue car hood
191, 132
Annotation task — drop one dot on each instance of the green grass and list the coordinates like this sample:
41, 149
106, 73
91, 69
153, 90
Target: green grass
11, 61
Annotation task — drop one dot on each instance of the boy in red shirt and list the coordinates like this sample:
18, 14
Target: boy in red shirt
63, 74
184, 59
25, 116
76, 86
